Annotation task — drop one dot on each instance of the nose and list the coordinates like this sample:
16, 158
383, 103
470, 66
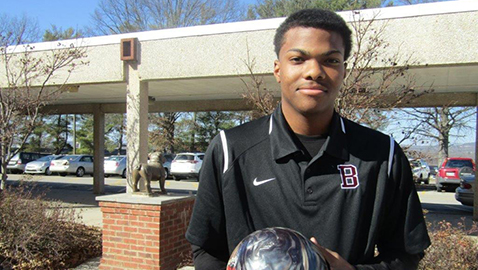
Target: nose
314, 70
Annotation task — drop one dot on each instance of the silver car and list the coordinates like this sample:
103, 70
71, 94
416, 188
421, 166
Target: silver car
115, 165
41, 165
73, 164
19, 161
167, 164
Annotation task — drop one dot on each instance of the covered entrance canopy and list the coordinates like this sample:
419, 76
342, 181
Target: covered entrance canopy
199, 68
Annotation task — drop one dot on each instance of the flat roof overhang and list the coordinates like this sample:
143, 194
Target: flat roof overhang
200, 68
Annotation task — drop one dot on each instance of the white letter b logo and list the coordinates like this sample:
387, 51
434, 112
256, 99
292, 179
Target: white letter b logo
349, 176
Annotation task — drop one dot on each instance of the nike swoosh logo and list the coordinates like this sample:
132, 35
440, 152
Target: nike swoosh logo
258, 183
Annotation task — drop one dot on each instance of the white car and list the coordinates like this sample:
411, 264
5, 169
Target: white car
73, 164
186, 165
41, 165
421, 171
115, 165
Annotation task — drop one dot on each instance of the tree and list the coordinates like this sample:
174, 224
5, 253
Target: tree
256, 92
84, 136
209, 124
436, 124
56, 33
58, 131
123, 16
409, 2
184, 133
23, 86
37, 139
281, 8
115, 131
18, 30
367, 90
162, 138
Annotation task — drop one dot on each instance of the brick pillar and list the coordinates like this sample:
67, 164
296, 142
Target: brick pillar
144, 232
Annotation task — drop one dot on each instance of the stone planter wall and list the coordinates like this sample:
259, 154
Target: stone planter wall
141, 232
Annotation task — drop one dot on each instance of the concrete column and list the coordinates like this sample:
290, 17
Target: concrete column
99, 152
136, 121
475, 199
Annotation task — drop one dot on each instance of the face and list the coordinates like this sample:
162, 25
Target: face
311, 71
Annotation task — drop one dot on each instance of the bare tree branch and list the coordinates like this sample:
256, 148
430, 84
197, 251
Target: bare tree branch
123, 16
24, 91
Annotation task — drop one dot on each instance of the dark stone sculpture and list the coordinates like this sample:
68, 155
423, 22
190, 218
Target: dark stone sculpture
152, 171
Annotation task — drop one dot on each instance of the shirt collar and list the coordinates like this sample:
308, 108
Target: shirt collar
336, 144
282, 143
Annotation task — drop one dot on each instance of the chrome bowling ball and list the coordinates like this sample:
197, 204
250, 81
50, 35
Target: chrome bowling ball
276, 249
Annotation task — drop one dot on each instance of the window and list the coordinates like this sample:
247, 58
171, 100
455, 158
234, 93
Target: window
185, 157
458, 163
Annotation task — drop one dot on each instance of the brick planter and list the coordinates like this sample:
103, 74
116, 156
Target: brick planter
141, 232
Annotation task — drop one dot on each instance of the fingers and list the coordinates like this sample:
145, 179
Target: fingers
328, 254
314, 241
333, 258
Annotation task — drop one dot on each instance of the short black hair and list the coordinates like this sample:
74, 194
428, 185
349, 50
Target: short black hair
315, 18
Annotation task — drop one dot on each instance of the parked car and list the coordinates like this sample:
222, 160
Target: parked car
167, 164
433, 171
41, 165
464, 193
115, 165
447, 177
19, 161
73, 164
186, 165
421, 170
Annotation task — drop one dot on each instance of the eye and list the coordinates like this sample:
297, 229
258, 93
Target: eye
296, 59
333, 61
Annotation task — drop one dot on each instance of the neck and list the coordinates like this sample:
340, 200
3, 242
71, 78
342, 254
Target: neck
309, 125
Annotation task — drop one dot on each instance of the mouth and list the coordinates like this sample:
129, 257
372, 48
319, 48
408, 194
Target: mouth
312, 90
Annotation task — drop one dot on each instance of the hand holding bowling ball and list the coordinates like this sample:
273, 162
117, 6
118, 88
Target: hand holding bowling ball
276, 249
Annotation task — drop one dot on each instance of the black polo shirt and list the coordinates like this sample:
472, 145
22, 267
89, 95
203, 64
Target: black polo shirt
356, 193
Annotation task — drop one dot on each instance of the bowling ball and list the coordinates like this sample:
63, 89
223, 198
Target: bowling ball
276, 249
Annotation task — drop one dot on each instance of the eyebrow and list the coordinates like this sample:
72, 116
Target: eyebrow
308, 53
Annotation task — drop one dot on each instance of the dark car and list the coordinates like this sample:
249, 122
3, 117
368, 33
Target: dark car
465, 192
433, 171
18, 162
448, 175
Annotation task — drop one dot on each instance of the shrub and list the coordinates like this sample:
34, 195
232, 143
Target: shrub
451, 248
39, 234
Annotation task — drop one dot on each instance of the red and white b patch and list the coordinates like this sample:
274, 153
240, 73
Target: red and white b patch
349, 176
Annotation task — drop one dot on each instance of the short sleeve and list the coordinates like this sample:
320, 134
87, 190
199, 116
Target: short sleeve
207, 225
405, 229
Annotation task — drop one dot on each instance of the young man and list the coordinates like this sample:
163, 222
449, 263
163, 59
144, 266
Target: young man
304, 167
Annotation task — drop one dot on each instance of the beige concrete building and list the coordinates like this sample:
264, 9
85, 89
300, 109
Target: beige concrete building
200, 68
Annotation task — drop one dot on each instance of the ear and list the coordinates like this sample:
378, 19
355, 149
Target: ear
277, 70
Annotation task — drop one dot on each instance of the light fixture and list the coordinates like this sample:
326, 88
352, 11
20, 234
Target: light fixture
70, 88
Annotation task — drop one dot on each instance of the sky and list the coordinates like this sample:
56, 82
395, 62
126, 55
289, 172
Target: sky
62, 13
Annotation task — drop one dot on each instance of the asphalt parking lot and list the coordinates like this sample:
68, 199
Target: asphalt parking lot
77, 193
